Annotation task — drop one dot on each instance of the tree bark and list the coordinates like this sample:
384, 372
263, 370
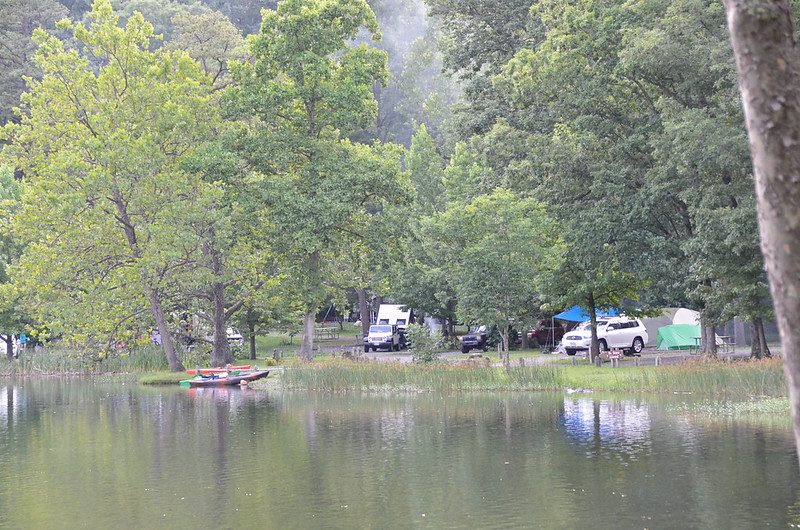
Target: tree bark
167, 343
9, 340
594, 347
153, 295
221, 355
708, 338
363, 312
762, 339
307, 346
768, 61
251, 331
504, 335
755, 343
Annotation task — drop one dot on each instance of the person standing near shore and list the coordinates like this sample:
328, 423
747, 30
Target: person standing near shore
23, 340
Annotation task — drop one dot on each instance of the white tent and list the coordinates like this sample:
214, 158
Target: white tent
686, 316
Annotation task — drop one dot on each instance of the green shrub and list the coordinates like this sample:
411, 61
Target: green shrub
425, 346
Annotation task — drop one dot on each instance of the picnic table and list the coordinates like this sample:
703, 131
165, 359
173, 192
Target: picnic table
326, 333
725, 344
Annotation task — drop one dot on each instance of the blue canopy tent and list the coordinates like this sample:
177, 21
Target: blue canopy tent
578, 314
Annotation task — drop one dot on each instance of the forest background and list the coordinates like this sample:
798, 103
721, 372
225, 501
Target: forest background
474, 162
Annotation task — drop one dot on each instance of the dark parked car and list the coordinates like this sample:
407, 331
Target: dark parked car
548, 332
474, 340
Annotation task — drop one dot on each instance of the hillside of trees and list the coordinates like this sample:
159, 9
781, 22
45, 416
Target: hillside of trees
250, 162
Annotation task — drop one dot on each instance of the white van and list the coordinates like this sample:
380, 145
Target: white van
624, 333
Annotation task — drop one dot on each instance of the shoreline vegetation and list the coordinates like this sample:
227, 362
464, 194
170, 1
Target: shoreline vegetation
737, 380
746, 379
745, 390
743, 379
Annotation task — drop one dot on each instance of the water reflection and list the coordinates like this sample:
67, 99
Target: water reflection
608, 429
9, 406
156, 457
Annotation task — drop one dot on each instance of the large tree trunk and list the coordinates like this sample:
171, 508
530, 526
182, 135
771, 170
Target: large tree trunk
755, 343
221, 355
9, 340
166, 335
307, 346
708, 338
768, 60
762, 339
594, 347
363, 312
504, 336
251, 336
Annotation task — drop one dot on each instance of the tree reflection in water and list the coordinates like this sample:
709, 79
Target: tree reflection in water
608, 429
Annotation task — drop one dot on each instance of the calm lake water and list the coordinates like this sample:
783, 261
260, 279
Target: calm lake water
77, 453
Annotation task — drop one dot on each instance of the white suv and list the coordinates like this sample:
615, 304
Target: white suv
382, 336
628, 334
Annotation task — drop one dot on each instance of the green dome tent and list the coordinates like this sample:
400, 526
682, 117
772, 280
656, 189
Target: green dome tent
678, 336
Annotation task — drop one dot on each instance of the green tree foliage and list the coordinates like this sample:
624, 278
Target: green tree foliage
419, 277
624, 119
427, 94
245, 14
498, 248
426, 171
160, 13
231, 263
18, 19
106, 206
478, 38
418, 91
212, 40
307, 89
13, 318
426, 345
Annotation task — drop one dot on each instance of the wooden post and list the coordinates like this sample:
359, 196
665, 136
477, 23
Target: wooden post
658, 361
574, 361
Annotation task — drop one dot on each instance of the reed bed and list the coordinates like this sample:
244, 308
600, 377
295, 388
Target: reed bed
736, 380
65, 361
348, 376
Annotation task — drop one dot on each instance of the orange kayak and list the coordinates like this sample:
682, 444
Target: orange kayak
213, 380
208, 371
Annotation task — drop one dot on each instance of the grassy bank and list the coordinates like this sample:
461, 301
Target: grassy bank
61, 360
163, 378
734, 380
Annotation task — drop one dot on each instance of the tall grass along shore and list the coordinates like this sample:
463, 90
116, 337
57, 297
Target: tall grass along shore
734, 380
738, 380
66, 361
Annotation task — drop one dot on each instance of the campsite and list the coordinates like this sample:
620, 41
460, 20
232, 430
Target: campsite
428, 263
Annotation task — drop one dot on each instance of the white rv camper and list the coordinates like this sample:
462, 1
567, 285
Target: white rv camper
394, 315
